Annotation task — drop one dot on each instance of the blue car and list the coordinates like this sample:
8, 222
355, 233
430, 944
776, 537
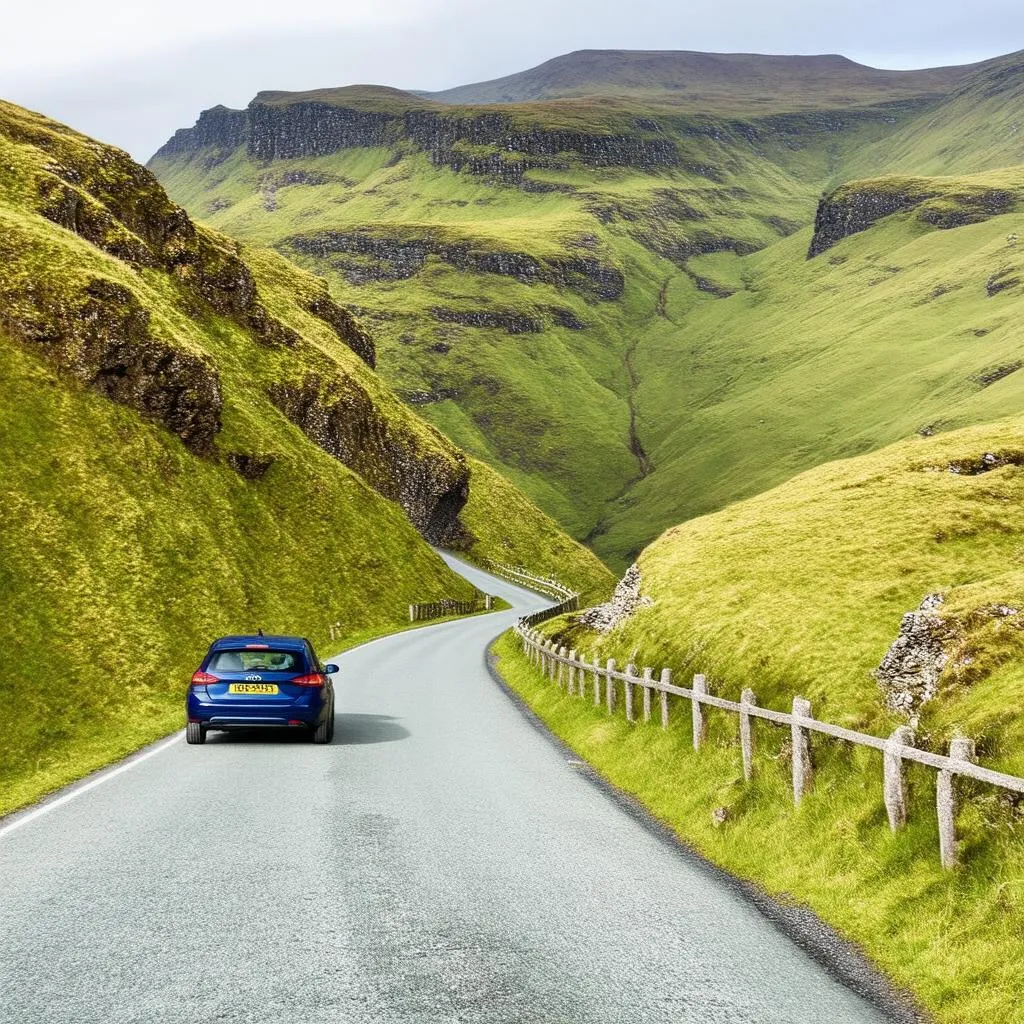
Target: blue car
252, 682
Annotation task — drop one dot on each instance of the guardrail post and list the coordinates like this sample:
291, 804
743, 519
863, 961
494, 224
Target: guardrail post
648, 673
666, 680
572, 673
597, 682
700, 687
747, 699
610, 685
628, 685
960, 749
894, 784
803, 776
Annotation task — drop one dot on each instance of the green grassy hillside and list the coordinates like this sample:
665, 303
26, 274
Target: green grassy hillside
610, 302
801, 590
192, 443
507, 300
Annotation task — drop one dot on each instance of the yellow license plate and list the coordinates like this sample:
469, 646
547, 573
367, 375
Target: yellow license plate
253, 688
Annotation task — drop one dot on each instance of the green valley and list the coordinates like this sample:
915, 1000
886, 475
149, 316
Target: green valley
610, 302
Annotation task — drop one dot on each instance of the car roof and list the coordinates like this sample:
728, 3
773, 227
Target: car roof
250, 638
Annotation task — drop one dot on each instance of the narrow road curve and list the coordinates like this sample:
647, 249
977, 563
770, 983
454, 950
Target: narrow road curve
441, 861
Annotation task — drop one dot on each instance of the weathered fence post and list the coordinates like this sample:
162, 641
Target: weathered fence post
960, 749
630, 673
610, 685
747, 699
648, 673
597, 682
666, 680
412, 613
803, 777
700, 687
552, 660
561, 665
488, 602
894, 785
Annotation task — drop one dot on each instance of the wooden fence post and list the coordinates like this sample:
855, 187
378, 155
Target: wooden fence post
700, 687
561, 665
597, 682
666, 680
894, 784
747, 699
610, 685
961, 749
630, 673
488, 602
648, 673
572, 673
412, 613
803, 776
552, 663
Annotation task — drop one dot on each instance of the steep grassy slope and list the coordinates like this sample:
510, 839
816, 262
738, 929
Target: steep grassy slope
900, 328
192, 443
977, 127
801, 591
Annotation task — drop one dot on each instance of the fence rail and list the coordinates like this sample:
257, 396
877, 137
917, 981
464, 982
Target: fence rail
560, 665
439, 609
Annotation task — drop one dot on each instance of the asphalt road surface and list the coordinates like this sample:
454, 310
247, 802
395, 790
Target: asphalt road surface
441, 861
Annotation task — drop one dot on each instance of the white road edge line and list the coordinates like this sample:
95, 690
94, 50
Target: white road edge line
24, 817
105, 776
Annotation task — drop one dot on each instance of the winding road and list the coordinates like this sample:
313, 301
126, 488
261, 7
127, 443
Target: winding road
441, 861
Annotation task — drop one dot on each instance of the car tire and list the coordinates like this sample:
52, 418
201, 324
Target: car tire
325, 730
195, 733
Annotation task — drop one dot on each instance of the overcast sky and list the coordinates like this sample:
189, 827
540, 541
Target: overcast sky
132, 71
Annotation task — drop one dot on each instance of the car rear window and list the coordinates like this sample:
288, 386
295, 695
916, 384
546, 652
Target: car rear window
245, 659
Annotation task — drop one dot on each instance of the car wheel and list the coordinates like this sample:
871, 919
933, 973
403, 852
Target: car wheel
325, 730
195, 733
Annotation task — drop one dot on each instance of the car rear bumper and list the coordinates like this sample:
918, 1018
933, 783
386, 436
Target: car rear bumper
252, 722
236, 715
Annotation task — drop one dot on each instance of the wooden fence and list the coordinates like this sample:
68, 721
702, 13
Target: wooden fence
439, 609
568, 668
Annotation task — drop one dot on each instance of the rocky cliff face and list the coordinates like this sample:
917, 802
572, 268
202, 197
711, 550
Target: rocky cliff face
102, 335
339, 416
100, 329
857, 206
364, 257
275, 131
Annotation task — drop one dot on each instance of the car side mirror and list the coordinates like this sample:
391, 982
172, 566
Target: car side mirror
330, 669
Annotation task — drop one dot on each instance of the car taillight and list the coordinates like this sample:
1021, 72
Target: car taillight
311, 680
203, 679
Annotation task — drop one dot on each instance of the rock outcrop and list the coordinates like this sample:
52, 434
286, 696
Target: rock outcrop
625, 602
101, 334
341, 418
272, 129
363, 257
909, 672
858, 206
